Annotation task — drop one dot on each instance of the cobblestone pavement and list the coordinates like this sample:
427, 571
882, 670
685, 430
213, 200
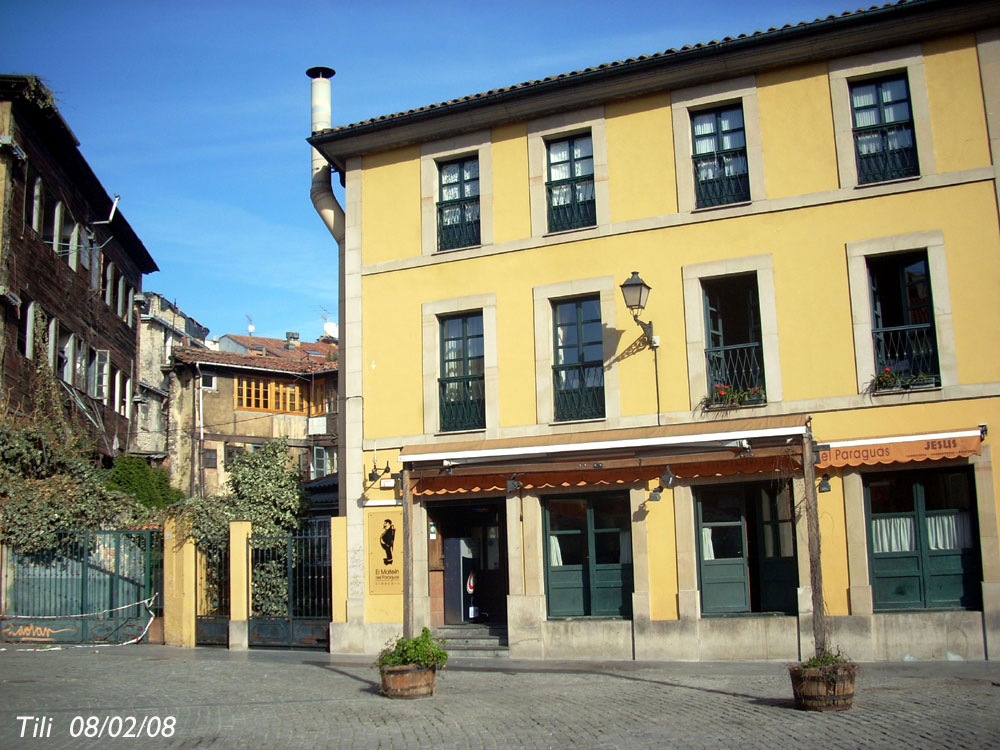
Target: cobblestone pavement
216, 698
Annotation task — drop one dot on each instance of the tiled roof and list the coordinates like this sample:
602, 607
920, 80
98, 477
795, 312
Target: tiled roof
312, 350
618, 64
190, 355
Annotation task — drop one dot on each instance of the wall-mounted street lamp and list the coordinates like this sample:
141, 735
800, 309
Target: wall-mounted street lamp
667, 481
636, 292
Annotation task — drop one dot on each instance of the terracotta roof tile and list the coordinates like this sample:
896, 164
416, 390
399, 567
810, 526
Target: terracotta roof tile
310, 364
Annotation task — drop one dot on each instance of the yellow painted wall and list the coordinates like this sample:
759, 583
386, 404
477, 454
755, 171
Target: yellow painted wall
390, 205
958, 119
662, 546
640, 158
807, 247
833, 549
511, 218
796, 124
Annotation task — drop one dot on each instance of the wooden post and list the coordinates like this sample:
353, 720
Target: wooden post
819, 622
407, 554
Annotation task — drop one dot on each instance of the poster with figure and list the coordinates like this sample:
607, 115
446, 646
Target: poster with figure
385, 551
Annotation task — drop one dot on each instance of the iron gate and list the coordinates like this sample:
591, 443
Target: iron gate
212, 593
290, 597
88, 588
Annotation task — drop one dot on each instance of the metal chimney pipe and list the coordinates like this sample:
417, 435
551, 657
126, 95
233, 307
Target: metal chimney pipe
321, 192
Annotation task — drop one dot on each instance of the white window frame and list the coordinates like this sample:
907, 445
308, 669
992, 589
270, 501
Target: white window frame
606, 288
98, 385
861, 310
554, 128
37, 205
685, 102
29, 334
431, 313
432, 155
694, 321
319, 450
845, 71
109, 275
122, 297
57, 227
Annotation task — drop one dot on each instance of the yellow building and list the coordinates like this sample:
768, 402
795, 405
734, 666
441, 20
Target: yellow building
815, 211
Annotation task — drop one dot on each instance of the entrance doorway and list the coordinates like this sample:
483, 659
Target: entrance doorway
746, 549
467, 562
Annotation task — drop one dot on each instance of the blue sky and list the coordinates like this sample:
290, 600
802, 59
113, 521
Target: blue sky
196, 113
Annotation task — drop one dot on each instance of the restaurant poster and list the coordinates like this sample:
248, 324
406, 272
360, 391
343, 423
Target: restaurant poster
385, 551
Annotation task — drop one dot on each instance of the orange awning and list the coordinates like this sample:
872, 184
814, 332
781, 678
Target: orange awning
489, 483
901, 449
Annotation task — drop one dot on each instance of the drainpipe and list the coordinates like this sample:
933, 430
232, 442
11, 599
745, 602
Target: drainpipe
201, 433
321, 192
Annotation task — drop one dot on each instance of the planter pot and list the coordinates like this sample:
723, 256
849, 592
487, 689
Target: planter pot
408, 681
827, 688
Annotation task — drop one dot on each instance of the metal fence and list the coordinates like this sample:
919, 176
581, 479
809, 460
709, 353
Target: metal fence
89, 587
212, 593
291, 590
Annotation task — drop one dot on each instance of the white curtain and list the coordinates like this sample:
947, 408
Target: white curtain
625, 548
707, 548
892, 535
555, 552
952, 531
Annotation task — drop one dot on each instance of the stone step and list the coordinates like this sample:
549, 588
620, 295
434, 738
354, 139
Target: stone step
481, 653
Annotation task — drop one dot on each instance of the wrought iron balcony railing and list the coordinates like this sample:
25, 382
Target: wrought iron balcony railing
571, 204
906, 357
579, 391
885, 152
721, 178
735, 375
458, 223
463, 403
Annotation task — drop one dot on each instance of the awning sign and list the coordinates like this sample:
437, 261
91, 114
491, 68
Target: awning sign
876, 451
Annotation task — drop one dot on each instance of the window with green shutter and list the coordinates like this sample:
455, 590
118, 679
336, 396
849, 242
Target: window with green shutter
578, 359
461, 384
458, 204
884, 142
588, 557
719, 149
923, 543
570, 184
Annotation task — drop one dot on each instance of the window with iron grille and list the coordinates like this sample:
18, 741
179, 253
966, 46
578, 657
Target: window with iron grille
461, 385
720, 157
458, 204
734, 351
884, 142
578, 361
903, 333
570, 184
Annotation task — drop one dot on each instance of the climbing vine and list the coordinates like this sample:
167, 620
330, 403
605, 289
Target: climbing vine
50, 479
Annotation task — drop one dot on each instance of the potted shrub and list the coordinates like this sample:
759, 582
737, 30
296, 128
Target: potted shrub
824, 682
409, 665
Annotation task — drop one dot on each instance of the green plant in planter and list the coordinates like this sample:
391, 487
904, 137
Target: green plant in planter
423, 650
